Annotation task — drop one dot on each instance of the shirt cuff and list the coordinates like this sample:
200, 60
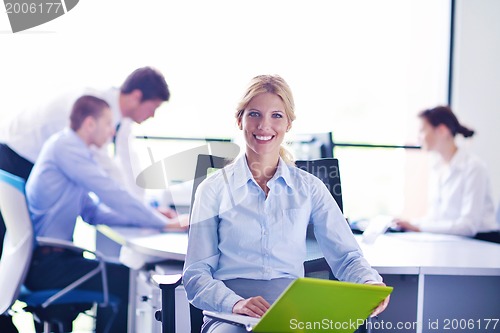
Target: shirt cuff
371, 279
372, 282
229, 302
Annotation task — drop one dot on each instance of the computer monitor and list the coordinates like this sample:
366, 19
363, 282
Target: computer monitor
311, 146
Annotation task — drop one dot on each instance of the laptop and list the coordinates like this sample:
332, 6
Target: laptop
314, 305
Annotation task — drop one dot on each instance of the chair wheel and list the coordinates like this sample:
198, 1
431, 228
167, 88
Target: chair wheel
158, 315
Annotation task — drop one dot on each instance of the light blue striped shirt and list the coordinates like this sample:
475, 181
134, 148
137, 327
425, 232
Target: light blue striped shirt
59, 186
236, 232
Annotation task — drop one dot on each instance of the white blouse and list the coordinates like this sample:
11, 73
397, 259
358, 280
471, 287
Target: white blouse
461, 200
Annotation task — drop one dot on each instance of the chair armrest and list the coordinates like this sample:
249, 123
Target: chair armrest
169, 281
47, 241
100, 269
167, 284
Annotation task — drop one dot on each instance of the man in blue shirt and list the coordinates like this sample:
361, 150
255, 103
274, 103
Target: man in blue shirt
66, 182
22, 138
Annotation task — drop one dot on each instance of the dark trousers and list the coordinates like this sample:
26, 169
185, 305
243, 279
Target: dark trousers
11, 162
55, 269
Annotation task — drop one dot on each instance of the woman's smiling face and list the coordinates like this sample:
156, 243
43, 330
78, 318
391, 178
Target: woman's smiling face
264, 124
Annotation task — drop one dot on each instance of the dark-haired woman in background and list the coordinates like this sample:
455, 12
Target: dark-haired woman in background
460, 191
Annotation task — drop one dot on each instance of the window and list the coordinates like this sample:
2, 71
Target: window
360, 69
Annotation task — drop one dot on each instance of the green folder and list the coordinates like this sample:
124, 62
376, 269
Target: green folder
314, 305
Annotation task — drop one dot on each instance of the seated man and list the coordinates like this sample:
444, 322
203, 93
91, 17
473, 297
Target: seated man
137, 99
66, 182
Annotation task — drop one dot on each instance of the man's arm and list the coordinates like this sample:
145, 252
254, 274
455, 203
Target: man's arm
77, 163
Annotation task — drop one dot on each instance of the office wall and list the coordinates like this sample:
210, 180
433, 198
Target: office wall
476, 78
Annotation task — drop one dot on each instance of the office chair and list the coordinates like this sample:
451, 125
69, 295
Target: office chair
326, 169
15, 262
168, 283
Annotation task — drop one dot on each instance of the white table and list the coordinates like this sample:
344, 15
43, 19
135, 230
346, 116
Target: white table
439, 280
456, 279
146, 246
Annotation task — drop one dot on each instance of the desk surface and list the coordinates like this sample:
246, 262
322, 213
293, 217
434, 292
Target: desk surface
149, 242
398, 253
432, 254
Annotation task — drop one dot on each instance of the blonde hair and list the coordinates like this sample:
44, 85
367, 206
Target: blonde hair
273, 84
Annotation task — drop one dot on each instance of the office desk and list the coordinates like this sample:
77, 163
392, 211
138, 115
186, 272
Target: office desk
151, 243
157, 246
451, 283
148, 250
432, 254
441, 282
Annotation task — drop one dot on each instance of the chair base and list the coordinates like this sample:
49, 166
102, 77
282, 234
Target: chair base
56, 318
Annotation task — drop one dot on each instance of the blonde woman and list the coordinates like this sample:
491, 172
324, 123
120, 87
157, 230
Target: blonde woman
247, 240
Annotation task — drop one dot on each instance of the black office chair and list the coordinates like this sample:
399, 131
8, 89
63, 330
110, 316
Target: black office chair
326, 169
204, 165
15, 261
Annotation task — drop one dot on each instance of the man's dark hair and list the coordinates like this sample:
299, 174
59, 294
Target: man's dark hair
86, 106
149, 81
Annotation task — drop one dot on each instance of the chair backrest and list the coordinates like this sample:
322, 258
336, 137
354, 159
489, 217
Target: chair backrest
19, 239
204, 165
326, 169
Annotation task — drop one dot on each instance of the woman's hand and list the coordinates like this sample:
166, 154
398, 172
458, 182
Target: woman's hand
405, 225
381, 307
253, 306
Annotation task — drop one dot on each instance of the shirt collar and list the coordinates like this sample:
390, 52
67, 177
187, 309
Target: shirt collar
457, 162
77, 141
242, 173
283, 172
73, 136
